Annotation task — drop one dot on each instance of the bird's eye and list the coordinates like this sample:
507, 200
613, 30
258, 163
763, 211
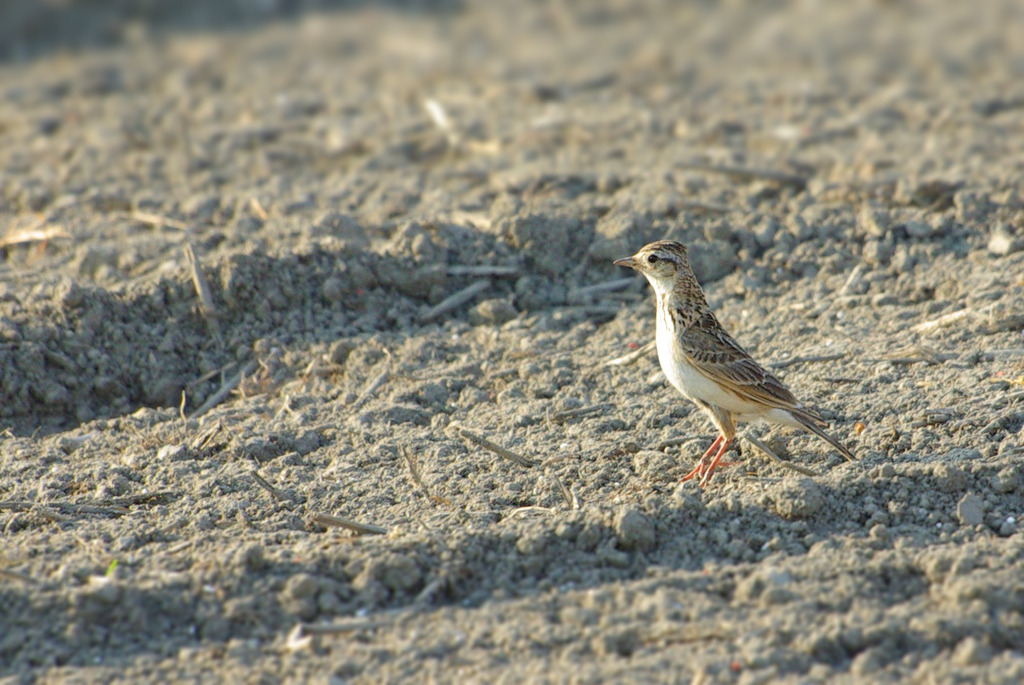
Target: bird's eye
652, 259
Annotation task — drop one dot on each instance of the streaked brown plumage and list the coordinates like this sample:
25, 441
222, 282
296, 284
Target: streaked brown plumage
705, 364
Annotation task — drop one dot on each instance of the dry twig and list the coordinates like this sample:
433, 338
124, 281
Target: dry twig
414, 472
942, 321
569, 498
155, 220
47, 511
99, 509
455, 300
578, 295
495, 271
493, 447
840, 379
257, 209
14, 575
533, 509
631, 357
431, 589
329, 520
207, 306
225, 390
440, 118
807, 360
374, 385
157, 497
776, 458
477, 219
38, 232
265, 484
748, 173
917, 353
345, 626
563, 416
297, 640
44, 511
202, 440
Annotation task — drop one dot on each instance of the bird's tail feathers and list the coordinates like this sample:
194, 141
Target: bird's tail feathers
808, 423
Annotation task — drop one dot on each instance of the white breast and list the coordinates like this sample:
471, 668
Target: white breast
688, 380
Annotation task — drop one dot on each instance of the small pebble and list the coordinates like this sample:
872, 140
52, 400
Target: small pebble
918, 229
401, 573
333, 289
634, 530
338, 225
970, 510
874, 221
903, 261
799, 228
798, 498
1006, 481
971, 206
300, 585
494, 311
971, 651
1003, 242
878, 252
765, 232
340, 350
949, 478
172, 453
865, 663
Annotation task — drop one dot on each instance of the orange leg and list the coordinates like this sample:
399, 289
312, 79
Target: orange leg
703, 470
698, 470
704, 479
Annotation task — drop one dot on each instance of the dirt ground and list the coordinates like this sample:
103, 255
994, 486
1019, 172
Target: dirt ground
180, 473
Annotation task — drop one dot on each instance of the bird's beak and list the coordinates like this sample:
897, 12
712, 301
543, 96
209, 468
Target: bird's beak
625, 261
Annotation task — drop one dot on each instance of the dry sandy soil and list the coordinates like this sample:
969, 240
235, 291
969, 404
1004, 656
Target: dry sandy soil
848, 177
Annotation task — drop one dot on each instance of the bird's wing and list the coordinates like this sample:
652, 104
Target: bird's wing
717, 356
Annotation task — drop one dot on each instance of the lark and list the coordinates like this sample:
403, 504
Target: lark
706, 365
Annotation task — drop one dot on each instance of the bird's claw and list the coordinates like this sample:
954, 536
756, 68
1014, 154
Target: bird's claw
705, 467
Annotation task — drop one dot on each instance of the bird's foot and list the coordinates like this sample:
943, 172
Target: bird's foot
705, 467
702, 471
697, 472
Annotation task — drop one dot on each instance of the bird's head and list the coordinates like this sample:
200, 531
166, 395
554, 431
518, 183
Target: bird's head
661, 262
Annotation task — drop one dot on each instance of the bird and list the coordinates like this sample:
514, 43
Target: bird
705, 364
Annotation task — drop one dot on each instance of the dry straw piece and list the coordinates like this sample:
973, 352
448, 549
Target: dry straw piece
330, 521
502, 452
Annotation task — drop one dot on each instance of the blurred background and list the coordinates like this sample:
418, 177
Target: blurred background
747, 128
780, 139
243, 122
612, 86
